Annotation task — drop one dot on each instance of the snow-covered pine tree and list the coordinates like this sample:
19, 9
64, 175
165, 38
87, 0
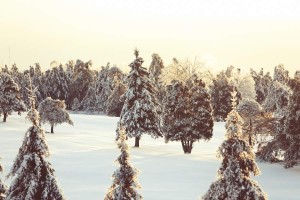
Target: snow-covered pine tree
262, 84
76, 105
187, 113
125, 184
115, 102
234, 181
155, 73
280, 74
139, 114
32, 174
2, 186
9, 96
54, 112
89, 102
58, 87
81, 78
221, 97
292, 127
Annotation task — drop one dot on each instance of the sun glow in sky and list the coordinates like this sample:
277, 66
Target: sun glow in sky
248, 33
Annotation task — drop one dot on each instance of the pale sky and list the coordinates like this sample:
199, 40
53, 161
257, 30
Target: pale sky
242, 33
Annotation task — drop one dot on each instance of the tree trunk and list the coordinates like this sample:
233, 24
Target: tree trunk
187, 146
250, 133
137, 142
52, 126
4, 117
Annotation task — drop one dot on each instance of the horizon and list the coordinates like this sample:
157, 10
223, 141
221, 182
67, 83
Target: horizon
245, 34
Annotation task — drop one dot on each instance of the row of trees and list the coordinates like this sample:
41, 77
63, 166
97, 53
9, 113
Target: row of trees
152, 107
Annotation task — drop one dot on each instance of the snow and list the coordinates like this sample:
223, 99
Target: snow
83, 156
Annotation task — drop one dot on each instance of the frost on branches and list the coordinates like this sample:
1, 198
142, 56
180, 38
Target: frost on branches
2, 186
32, 174
54, 112
140, 111
187, 113
10, 99
234, 181
125, 184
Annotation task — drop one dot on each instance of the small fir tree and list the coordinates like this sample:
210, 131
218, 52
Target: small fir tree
10, 99
125, 184
2, 186
32, 174
54, 112
139, 114
234, 181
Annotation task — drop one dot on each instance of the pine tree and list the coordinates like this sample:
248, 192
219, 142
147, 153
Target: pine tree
221, 97
292, 127
58, 87
32, 174
76, 105
139, 114
262, 84
89, 102
115, 101
155, 74
125, 184
2, 186
234, 181
187, 113
9, 96
54, 112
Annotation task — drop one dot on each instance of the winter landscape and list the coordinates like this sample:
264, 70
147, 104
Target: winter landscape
138, 100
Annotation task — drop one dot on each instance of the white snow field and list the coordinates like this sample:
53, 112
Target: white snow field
83, 156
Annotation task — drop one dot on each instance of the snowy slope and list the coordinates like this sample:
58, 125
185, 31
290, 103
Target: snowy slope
83, 156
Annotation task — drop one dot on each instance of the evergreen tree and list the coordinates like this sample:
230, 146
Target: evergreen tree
221, 97
115, 101
76, 105
234, 181
54, 112
281, 75
89, 102
81, 78
155, 74
2, 186
139, 114
292, 127
262, 84
125, 184
58, 87
9, 96
32, 174
187, 113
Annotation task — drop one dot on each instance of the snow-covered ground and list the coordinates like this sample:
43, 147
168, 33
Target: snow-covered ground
83, 156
